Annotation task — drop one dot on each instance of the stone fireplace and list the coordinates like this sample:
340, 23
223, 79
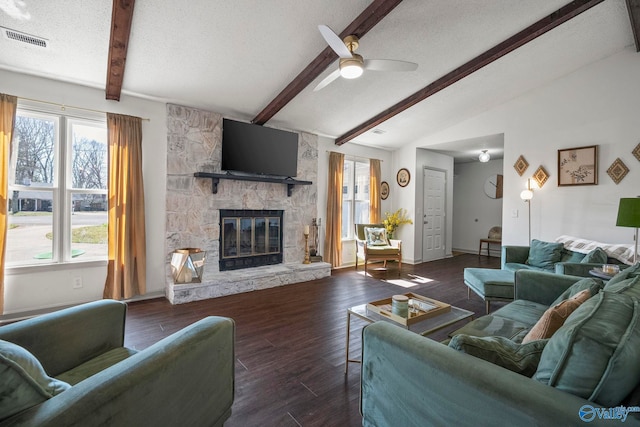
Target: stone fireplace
250, 238
193, 212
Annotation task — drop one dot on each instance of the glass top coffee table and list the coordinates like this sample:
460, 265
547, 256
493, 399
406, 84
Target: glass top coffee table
424, 327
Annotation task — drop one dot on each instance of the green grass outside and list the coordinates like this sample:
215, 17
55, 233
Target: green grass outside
90, 234
12, 226
23, 213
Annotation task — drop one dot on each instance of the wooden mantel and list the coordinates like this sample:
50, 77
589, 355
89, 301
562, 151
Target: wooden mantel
216, 177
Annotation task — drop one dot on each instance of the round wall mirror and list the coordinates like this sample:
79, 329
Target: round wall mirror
493, 186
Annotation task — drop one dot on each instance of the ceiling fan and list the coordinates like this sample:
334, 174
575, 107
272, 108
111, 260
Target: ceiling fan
353, 65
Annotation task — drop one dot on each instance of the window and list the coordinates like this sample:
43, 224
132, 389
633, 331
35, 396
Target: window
355, 196
57, 210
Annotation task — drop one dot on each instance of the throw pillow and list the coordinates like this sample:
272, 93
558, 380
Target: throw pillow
376, 236
571, 256
596, 256
520, 358
555, 316
630, 286
544, 254
24, 381
595, 354
591, 283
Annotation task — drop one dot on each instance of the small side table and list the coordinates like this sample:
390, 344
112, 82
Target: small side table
596, 272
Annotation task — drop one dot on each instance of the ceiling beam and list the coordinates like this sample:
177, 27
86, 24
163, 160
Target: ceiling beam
121, 17
539, 28
373, 14
633, 7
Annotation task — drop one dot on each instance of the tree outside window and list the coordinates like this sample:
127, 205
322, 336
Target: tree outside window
58, 187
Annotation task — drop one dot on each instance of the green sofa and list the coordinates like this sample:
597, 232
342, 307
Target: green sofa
554, 258
88, 378
411, 380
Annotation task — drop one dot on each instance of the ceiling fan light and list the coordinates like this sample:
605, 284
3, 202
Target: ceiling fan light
352, 68
351, 71
484, 157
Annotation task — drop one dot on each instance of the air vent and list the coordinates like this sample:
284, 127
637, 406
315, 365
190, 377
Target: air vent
25, 38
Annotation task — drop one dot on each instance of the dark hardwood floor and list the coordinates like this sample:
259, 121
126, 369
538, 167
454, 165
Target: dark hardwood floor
290, 340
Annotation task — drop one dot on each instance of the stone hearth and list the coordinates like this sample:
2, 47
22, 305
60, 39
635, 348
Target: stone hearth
246, 280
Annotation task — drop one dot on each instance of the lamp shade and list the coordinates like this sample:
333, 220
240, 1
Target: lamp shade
526, 195
629, 212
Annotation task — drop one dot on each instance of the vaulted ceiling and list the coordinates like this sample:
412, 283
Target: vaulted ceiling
237, 57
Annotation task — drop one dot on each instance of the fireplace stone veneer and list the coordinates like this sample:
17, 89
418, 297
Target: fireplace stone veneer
193, 212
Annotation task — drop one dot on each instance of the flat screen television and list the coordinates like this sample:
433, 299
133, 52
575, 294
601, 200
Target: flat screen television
258, 150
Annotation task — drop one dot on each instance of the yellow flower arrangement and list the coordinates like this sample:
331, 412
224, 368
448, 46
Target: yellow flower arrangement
395, 220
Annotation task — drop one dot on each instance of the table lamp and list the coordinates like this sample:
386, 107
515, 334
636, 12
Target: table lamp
629, 216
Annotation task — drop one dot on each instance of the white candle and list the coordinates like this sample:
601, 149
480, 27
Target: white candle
306, 229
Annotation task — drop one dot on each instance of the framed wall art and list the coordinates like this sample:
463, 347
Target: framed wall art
636, 152
521, 165
541, 176
618, 170
578, 166
403, 177
384, 190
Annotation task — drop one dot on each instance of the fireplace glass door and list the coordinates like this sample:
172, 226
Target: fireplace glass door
248, 241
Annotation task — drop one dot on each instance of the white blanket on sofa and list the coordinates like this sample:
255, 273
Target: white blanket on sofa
621, 252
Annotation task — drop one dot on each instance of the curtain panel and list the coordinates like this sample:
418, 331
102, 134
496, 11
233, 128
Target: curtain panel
126, 274
333, 234
8, 107
374, 191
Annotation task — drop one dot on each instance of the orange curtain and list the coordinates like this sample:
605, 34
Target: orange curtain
126, 275
333, 234
374, 191
8, 106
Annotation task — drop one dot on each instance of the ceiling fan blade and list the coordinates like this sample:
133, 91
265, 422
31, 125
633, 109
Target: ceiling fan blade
389, 65
334, 42
331, 77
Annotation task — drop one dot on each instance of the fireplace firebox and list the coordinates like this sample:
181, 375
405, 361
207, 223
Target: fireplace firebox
250, 238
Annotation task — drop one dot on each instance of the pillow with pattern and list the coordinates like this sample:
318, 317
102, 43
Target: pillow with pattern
376, 236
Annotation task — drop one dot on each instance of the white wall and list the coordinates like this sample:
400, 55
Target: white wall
51, 286
474, 213
325, 145
596, 105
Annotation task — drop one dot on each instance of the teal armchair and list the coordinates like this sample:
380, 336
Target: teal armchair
184, 379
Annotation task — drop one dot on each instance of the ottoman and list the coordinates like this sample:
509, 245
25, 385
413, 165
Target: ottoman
490, 284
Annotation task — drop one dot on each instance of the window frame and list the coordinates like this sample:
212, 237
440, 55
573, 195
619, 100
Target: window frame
351, 235
62, 186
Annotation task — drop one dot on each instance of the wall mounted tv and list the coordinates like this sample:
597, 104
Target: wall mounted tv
259, 150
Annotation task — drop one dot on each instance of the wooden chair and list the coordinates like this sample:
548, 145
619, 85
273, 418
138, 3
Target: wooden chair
390, 252
494, 237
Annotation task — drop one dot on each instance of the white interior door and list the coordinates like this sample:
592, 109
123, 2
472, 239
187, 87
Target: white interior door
433, 225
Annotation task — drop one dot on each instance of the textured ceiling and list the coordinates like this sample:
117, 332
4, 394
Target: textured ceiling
235, 57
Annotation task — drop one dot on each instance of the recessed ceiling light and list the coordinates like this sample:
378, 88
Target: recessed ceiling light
378, 131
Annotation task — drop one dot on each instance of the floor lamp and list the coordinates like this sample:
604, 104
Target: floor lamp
527, 195
629, 216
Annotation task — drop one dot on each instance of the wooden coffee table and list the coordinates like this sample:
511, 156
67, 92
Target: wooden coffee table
424, 328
